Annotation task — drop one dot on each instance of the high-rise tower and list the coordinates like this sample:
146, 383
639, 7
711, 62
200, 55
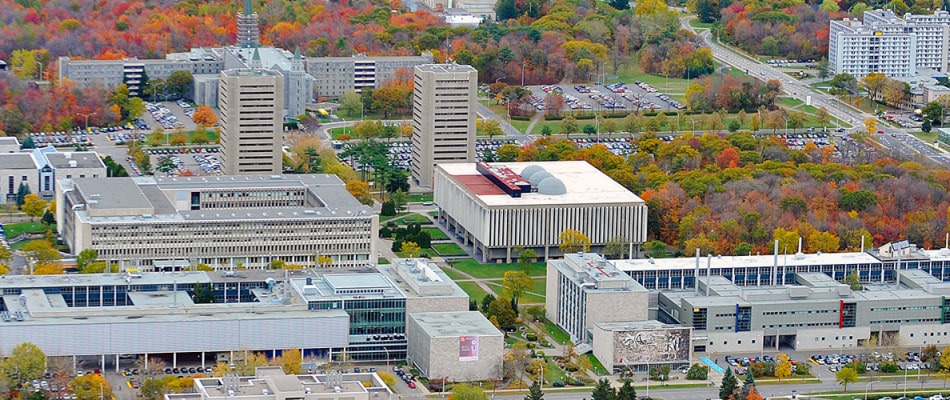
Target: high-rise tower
249, 31
443, 117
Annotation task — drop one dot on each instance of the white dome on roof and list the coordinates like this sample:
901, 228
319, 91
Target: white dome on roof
530, 170
551, 186
537, 177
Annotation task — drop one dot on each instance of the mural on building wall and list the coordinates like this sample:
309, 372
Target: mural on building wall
652, 345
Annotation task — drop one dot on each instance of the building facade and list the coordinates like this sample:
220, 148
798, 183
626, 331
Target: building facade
640, 345
334, 76
459, 346
443, 117
585, 289
226, 221
251, 108
495, 207
860, 49
40, 168
932, 31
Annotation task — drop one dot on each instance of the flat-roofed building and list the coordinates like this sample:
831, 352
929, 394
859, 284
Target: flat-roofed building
271, 383
251, 106
144, 314
426, 286
233, 221
642, 344
459, 346
18, 169
495, 207
584, 289
859, 49
443, 118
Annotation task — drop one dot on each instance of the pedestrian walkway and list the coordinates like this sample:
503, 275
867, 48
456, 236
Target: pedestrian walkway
712, 365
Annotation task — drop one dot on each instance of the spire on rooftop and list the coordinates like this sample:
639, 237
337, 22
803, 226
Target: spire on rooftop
247, 7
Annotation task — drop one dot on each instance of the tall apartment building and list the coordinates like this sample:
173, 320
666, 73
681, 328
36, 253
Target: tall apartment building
860, 49
443, 117
251, 102
933, 34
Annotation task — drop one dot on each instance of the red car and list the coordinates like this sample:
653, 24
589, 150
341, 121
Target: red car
412, 385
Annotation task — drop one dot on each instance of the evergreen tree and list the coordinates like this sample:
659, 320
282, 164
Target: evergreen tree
729, 385
603, 391
620, 4
505, 9
486, 301
534, 392
627, 391
748, 385
21, 193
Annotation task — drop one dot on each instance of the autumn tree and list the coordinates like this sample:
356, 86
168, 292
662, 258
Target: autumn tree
41, 253
568, 125
85, 258
25, 363
351, 103
516, 283
204, 116
492, 128
91, 387
464, 391
290, 361
410, 249
783, 367
360, 190
845, 376
389, 99
33, 206
573, 241
874, 84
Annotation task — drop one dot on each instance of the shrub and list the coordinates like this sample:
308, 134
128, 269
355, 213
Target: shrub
697, 372
558, 384
533, 337
889, 367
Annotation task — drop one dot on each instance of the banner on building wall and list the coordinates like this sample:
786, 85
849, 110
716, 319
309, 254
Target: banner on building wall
468, 348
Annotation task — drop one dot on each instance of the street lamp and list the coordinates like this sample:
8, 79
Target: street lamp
866, 387
86, 115
785, 117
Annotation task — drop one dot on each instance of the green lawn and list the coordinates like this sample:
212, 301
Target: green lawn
789, 102
15, 229
526, 298
926, 137
672, 86
382, 261
540, 286
553, 373
473, 290
598, 368
210, 134
436, 234
455, 275
448, 249
420, 198
385, 218
695, 23
556, 333
496, 271
433, 213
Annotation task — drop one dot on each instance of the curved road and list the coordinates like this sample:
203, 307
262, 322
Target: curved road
900, 141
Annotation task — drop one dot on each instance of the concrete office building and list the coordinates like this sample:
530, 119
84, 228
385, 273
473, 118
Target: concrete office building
496, 207
859, 49
232, 221
443, 118
932, 31
251, 107
814, 313
271, 383
334, 76
584, 289
459, 346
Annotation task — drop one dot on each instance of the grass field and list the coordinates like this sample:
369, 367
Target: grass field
415, 218
448, 249
473, 290
420, 198
15, 229
389, 217
494, 271
926, 137
210, 134
456, 276
382, 261
598, 367
436, 234
556, 333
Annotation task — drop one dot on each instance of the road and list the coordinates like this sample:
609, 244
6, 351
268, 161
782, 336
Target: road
902, 143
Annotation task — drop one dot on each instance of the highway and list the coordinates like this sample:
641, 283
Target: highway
896, 140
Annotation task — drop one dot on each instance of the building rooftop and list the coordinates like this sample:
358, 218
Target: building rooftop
453, 324
166, 199
17, 161
593, 272
801, 259
446, 68
271, 57
581, 184
79, 159
418, 277
365, 285
272, 382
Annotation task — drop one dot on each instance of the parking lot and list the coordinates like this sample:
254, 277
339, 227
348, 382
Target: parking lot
616, 96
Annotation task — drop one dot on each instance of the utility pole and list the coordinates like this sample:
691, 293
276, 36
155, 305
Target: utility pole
86, 115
